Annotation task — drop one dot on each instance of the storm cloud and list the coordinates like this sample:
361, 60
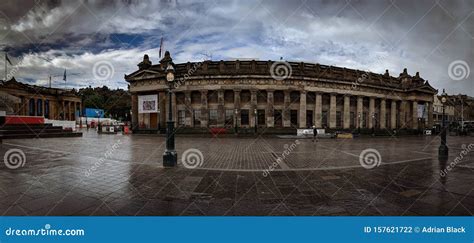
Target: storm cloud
43, 38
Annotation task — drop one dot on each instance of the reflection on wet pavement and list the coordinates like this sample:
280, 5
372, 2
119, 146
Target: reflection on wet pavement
122, 175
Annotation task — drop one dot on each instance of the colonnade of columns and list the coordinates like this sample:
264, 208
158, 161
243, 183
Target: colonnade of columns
63, 110
323, 110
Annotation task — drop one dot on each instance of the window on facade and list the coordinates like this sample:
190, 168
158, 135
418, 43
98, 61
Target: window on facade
338, 119
277, 117
244, 117
324, 119
398, 120
261, 117
309, 118
229, 118
31, 107
181, 117
197, 118
294, 118
375, 119
39, 107
213, 117
364, 119
352, 120
46, 108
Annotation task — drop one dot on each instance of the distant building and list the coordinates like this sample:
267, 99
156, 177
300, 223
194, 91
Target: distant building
252, 93
458, 107
31, 100
438, 111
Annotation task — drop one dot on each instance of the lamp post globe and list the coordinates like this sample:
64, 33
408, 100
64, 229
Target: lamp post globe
170, 157
443, 150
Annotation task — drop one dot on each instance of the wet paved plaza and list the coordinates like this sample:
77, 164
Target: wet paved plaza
122, 175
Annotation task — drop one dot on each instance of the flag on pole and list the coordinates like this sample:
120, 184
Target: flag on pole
8, 59
64, 76
161, 46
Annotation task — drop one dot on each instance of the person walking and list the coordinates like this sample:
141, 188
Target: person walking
315, 133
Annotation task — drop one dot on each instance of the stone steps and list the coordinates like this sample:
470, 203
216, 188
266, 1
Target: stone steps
20, 131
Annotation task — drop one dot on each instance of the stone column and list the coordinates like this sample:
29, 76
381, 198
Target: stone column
63, 110
204, 110
134, 111
286, 109
237, 108
360, 111
332, 111
23, 111
383, 113
371, 112
253, 107
403, 110
188, 116
429, 107
66, 118
393, 115
72, 116
414, 115
220, 108
318, 110
302, 121
347, 112
80, 109
269, 112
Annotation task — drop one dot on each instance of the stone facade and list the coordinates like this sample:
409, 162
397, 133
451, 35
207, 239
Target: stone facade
245, 94
51, 103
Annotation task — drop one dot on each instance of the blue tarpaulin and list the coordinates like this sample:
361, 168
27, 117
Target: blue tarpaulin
92, 112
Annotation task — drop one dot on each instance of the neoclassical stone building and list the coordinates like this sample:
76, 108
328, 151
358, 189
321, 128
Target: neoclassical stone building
276, 94
32, 100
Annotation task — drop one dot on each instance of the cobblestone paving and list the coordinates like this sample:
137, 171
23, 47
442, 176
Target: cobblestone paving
122, 175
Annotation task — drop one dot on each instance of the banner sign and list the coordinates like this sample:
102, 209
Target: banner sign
421, 111
147, 103
304, 132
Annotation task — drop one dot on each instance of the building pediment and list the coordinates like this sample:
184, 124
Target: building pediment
142, 74
426, 88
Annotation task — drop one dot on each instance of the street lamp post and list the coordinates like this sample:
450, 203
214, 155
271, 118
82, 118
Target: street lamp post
236, 112
169, 156
98, 122
443, 148
159, 123
358, 123
256, 120
373, 124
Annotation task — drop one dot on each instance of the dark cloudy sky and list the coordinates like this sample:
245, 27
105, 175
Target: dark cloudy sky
426, 36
